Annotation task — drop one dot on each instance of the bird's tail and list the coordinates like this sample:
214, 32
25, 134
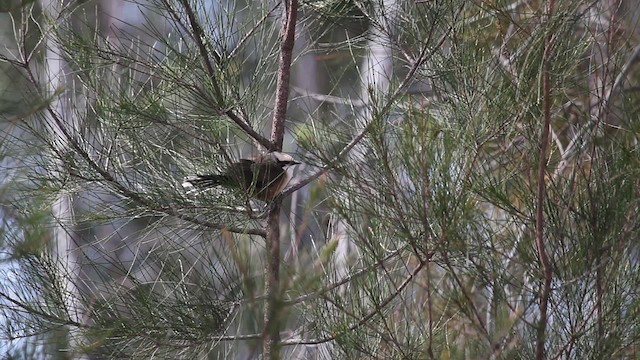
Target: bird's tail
203, 181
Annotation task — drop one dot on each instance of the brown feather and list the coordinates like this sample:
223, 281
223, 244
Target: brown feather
262, 177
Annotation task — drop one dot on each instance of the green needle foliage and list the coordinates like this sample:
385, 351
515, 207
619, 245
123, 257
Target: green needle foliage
420, 126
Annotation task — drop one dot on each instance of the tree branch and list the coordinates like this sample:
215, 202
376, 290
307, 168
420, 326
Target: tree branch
199, 37
284, 72
272, 306
540, 193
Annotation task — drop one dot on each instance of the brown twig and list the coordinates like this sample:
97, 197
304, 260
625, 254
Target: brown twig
284, 72
271, 326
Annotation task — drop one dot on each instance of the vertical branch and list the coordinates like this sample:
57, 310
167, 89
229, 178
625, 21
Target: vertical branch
542, 253
429, 309
271, 336
284, 71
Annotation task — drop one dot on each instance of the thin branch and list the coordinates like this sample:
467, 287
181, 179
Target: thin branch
132, 195
250, 33
31, 311
346, 279
199, 38
329, 99
468, 299
430, 312
545, 292
368, 316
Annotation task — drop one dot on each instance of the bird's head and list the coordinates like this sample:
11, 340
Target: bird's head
282, 159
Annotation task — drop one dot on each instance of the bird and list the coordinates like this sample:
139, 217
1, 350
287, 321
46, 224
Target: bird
262, 177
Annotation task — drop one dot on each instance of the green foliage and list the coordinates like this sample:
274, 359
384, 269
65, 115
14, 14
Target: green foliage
429, 197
